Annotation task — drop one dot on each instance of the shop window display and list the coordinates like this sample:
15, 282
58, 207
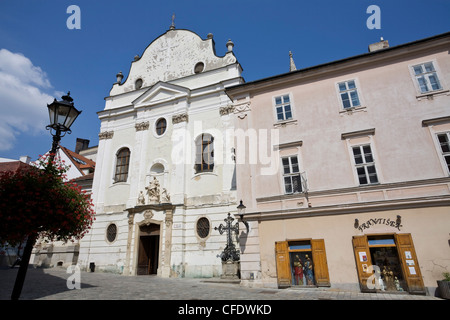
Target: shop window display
384, 254
302, 268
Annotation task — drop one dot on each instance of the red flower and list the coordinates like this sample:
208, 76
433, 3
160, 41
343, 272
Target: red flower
38, 201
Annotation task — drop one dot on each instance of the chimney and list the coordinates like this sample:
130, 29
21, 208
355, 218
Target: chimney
25, 159
383, 44
82, 144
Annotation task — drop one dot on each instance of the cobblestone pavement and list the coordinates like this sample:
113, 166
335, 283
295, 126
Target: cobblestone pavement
51, 284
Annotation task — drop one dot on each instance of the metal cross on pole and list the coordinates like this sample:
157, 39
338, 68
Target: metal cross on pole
230, 252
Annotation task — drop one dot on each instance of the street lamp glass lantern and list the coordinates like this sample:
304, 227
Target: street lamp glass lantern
62, 113
241, 209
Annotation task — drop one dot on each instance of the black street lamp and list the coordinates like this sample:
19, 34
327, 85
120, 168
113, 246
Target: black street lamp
62, 115
241, 212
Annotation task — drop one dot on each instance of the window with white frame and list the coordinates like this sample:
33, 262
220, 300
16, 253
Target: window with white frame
349, 94
283, 107
444, 142
365, 165
426, 77
291, 175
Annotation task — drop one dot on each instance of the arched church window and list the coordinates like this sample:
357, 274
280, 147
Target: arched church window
204, 155
122, 165
157, 168
161, 126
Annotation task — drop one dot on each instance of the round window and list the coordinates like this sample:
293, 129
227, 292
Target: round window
199, 67
111, 232
161, 126
138, 84
203, 227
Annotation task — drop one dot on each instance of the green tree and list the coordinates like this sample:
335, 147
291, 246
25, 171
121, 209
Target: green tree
37, 203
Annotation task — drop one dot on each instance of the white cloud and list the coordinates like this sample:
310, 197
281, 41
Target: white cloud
23, 69
22, 98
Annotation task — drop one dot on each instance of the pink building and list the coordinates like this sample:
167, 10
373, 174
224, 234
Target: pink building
345, 171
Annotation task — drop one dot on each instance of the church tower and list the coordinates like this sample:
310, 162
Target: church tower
164, 173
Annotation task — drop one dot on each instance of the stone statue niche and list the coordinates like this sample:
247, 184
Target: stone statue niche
155, 194
165, 197
153, 191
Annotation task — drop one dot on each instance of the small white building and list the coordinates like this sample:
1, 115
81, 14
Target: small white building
164, 174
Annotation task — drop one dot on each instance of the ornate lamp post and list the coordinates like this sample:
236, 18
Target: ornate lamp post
241, 212
62, 115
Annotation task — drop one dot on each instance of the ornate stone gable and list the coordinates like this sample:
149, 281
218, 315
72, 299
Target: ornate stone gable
180, 53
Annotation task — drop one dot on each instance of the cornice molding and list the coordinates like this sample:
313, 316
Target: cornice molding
435, 121
330, 192
360, 207
359, 133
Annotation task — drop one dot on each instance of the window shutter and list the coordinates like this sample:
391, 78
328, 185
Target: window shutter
320, 263
283, 268
410, 265
363, 261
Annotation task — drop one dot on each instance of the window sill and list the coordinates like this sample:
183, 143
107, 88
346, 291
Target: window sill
121, 183
295, 193
429, 95
369, 184
353, 109
284, 123
198, 175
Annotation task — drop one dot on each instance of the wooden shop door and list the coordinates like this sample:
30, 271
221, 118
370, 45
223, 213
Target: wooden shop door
410, 265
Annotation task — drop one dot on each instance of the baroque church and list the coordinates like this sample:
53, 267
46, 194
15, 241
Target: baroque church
165, 175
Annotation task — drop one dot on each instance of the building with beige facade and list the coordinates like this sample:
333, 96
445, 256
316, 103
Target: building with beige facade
344, 168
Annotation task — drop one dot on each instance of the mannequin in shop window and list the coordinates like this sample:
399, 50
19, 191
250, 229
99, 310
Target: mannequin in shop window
389, 278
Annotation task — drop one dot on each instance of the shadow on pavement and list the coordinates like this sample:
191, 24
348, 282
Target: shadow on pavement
38, 284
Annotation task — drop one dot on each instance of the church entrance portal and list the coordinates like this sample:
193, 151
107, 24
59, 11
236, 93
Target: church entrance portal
148, 255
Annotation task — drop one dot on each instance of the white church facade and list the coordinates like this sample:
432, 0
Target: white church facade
165, 175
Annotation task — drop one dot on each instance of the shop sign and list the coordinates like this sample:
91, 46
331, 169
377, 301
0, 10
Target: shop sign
379, 221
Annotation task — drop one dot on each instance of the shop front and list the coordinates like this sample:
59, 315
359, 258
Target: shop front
387, 263
398, 251
384, 263
302, 263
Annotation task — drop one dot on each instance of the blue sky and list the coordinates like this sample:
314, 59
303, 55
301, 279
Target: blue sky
41, 59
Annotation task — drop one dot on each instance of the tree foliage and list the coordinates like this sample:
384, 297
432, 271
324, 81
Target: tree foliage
37, 201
